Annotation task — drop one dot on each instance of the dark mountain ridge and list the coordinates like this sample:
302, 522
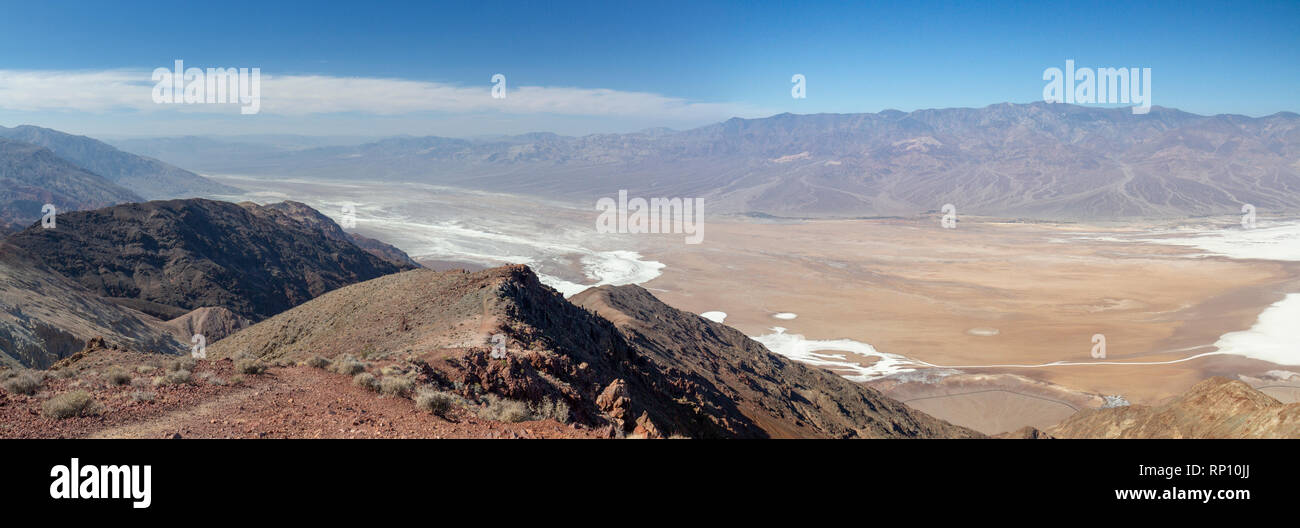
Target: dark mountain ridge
170, 257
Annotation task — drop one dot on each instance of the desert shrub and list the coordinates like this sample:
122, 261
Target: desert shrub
64, 373
393, 370
348, 366
366, 381
317, 362
117, 377
145, 369
396, 385
178, 377
211, 378
436, 402
554, 409
503, 410
69, 404
250, 366
142, 396
24, 383
237, 379
187, 363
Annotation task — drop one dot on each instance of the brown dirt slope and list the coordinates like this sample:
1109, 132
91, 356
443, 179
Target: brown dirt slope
610, 380
1215, 408
216, 401
215, 323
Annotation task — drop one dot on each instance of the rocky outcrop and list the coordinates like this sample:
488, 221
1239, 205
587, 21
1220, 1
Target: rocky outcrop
742, 386
1214, 408
618, 378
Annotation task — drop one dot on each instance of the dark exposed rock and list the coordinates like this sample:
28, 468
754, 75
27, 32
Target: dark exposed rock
196, 253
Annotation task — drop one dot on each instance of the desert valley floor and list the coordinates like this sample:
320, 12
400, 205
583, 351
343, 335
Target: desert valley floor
988, 325
987, 294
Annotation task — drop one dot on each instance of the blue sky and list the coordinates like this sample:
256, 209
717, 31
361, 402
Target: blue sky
666, 63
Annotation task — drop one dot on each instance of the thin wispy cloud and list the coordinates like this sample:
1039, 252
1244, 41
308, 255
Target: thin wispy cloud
303, 95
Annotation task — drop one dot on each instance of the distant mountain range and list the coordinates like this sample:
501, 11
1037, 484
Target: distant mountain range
32, 176
1039, 160
147, 177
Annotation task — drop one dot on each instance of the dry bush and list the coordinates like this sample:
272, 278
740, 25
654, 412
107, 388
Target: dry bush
186, 363
366, 381
437, 402
211, 378
178, 377
554, 409
317, 362
22, 383
69, 404
504, 410
250, 366
348, 365
396, 385
117, 377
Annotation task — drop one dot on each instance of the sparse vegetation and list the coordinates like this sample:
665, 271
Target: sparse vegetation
250, 366
348, 365
142, 396
396, 385
145, 369
24, 383
552, 409
187, 363
366, 381
211, 378
178, 377
237, 379
69, 404
437, 402
501, 409
317, 362
506, 410
117, 377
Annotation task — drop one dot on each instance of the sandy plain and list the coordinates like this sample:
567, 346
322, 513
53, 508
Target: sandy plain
910, 287
989, 292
